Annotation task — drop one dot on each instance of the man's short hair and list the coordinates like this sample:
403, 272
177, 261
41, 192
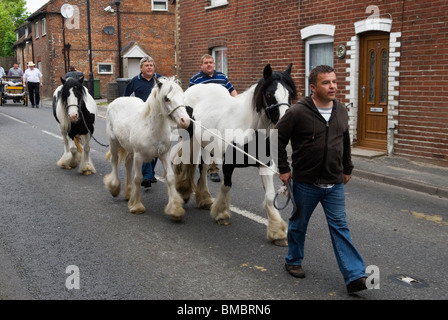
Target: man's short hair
206, 56
146, 59
318, 70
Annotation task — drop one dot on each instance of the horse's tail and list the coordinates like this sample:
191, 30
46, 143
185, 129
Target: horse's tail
122, 155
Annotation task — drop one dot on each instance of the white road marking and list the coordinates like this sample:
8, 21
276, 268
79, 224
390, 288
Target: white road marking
15, 119
250, 215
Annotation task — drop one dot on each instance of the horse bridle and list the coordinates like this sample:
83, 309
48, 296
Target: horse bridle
174, 109
273, 106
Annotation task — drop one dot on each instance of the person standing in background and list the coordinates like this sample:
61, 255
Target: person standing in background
208, 74
32, 78
15, 71
141, 86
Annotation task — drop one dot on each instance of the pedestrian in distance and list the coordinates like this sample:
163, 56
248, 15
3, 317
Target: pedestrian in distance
141, 86
74, 73
208, 74
15, 71
32, 78
317, 127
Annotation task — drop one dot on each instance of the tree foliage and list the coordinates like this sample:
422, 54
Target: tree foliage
12, 15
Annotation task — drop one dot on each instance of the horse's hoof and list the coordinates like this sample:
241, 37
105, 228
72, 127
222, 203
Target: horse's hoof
68, 167
280, 242
224, 222
177, 218
137, 209
87, 173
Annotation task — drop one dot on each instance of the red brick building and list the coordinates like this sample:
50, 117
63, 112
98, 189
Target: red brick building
54, 42
391, 58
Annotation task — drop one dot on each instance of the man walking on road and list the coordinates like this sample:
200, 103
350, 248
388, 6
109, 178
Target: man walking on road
317, 127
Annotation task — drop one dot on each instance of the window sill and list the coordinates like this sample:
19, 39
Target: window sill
217, 6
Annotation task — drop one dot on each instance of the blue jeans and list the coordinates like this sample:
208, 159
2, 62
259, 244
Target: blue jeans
148, 169
306, 198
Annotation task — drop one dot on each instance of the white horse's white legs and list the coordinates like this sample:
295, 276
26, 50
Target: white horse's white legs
220, 210
71, 157
277, 228
135, 204
174, 207
111, 181
86, 166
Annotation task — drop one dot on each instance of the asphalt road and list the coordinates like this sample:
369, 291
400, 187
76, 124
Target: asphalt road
63, 236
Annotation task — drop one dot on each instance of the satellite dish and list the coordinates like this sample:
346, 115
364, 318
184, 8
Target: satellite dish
67, 10
109, 30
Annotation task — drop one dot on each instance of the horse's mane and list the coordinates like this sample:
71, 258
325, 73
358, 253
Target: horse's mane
156, 90
283, 77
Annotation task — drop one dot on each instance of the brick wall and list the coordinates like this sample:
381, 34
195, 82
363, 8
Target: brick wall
154, 31
257, 32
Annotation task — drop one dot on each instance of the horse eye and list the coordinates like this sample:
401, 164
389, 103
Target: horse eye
167, 99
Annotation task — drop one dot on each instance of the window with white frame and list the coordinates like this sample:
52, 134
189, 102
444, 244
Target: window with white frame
219, 54
105, 68
318, 50
44, 26
36, 29
159, 5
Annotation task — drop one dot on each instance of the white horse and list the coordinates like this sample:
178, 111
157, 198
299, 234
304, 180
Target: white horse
75, 110
138, 132
259, 107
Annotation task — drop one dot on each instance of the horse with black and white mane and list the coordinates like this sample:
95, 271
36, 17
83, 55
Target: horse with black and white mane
138, 132
245, 117
75, 110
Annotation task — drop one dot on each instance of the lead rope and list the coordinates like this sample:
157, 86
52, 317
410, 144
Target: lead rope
85, 124
285, 190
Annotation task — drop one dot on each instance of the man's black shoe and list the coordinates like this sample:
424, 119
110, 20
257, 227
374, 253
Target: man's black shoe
146, 183
215, 177
295, 271
153, 180
357, 285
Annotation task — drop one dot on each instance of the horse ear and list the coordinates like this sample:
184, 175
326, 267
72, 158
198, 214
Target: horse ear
62, 80
288, 70
81, 80
267, 72
159, 84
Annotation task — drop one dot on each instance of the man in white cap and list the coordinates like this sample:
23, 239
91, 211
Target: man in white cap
33, 79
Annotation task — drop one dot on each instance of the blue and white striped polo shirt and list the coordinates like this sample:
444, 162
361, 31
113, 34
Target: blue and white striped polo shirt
218, 77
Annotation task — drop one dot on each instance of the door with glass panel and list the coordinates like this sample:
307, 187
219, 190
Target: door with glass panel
373, 87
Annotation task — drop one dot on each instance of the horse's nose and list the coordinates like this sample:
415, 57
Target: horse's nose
184, 122
73, 117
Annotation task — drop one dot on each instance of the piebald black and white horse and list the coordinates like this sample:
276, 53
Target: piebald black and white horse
75, 110
241, 117
138, 132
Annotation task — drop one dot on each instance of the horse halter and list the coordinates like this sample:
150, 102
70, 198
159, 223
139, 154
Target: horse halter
273, 106
175, 108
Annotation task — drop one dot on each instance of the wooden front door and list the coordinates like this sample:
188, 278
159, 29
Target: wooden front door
373, 87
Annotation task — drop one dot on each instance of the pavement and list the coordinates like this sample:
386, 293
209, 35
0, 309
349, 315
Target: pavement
416, 175
402, 172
